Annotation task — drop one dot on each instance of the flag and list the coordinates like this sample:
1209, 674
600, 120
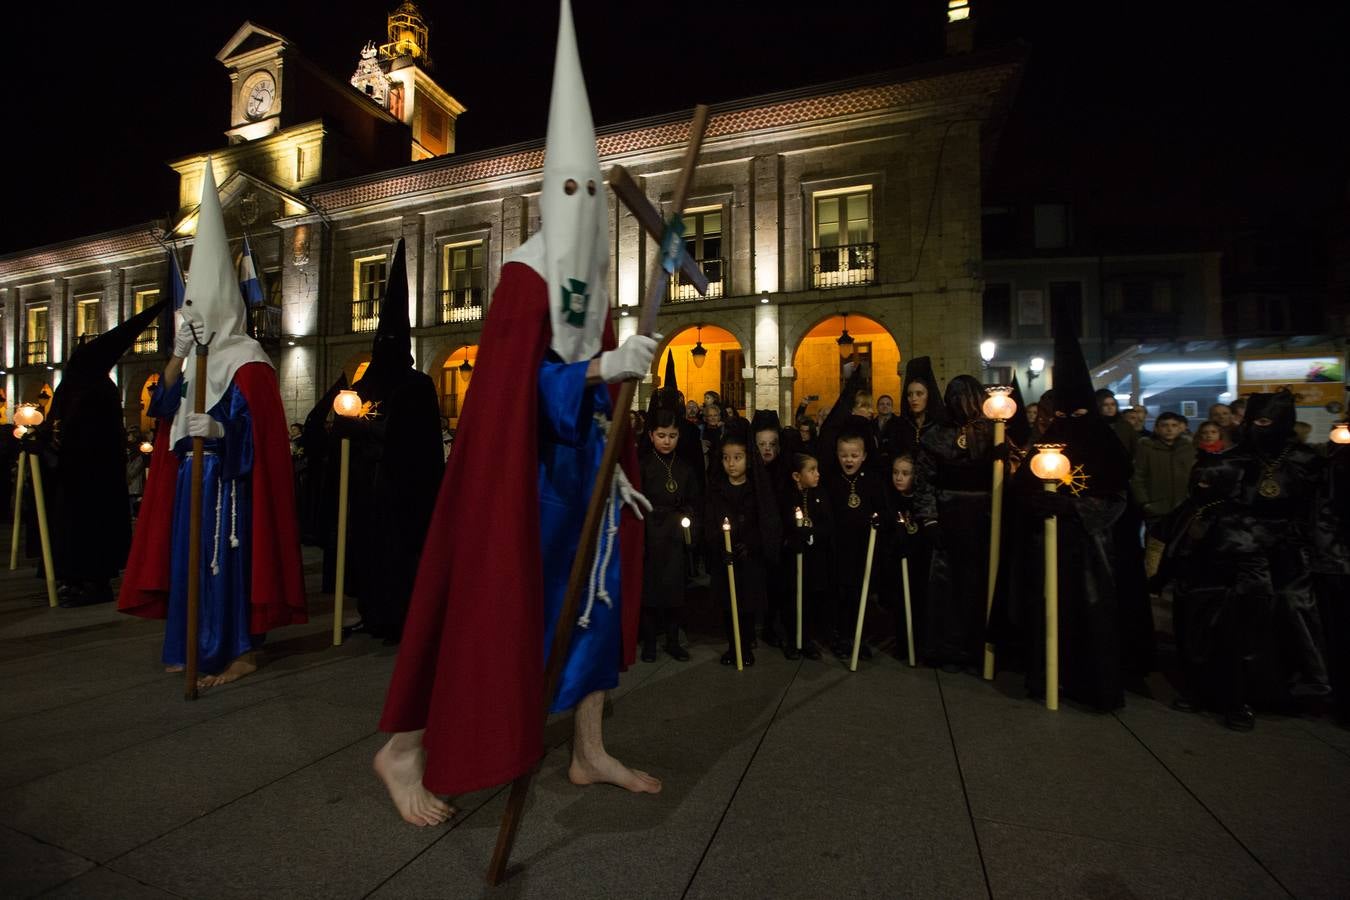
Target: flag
177, 290
250, 281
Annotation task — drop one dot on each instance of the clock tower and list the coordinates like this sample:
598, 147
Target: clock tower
255, 58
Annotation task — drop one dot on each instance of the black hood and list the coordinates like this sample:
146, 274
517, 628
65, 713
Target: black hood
1019, 429
964, 399
920, 369
97, 357
668, 396
1072, 380
392, 351
1279, 409
765, 420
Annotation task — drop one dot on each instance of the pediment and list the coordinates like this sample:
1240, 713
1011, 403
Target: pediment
249, 204
250, 38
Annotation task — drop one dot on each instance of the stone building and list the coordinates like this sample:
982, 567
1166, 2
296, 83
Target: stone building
858, 200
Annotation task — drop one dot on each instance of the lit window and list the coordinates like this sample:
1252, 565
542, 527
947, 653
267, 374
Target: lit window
35, 346
148, 341
462, 282
369, 274
86, 319
844, 253
958, 10
703, 241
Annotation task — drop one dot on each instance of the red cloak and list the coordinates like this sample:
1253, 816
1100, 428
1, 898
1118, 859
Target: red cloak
277, 588
470, 669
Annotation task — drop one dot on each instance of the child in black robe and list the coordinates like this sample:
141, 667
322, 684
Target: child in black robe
811, 536
908, 542
675, 491
739, 493
857, 499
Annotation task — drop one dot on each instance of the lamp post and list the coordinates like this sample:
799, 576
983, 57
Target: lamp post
28, 417
348, 405
1000, 407
1051, 466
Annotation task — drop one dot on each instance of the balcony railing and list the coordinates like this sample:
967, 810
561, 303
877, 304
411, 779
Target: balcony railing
148, 340
715, 271
264, 325
365, 315
843, 266
462, 305
35, 353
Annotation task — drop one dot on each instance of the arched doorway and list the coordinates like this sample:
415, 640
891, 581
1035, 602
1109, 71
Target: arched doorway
819, 362
453, 384
147, 422
706, 359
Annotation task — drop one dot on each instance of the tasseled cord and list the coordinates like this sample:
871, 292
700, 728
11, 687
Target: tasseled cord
604, 553
234, 525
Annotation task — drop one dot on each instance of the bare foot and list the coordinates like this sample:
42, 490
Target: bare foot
174, 670
401, 771
244, 665
605, 769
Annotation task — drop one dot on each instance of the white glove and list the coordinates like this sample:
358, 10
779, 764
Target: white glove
183, 340
200, 425
628, 494
632, 359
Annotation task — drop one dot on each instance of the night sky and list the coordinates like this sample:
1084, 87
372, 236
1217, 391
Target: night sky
1172, 120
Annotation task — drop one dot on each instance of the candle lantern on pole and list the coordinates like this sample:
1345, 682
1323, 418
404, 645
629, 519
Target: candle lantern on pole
348, 405
999, 406
1340, 433
28, 417
1052, 467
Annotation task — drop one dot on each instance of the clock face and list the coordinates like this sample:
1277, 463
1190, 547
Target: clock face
260, 93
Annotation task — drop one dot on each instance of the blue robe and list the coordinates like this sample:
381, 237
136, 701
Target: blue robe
227, 518
573, 420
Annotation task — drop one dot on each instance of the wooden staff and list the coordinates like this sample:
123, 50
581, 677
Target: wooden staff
731, 585
862, 598
995, 528
340, 586
44, 534
1051, 608
595, 510
800, 551
18, 510
195, 530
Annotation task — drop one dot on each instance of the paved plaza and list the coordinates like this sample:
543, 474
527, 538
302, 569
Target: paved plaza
792, 779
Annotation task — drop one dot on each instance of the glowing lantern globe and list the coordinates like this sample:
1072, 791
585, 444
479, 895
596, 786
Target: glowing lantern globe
999, 405
28, 415
20, 431
1050, 463
147, 448
347, 404
1340, 433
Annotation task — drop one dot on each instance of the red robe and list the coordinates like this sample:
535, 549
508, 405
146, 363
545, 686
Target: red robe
470, 669
277, 589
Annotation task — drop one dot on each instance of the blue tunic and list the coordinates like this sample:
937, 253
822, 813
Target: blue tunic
572, 426
227, 517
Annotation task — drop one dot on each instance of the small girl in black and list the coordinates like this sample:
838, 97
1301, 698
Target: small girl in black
813, 537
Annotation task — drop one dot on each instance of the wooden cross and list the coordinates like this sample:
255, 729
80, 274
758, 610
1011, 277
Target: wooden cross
672, 256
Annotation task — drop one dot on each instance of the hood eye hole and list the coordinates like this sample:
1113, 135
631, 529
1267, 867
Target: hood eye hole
590, 188
570, 186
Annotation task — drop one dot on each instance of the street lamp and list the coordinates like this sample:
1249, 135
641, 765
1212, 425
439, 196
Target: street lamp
465, 369
987, 350
1035, 369
845, 341
700, 353
1051, 466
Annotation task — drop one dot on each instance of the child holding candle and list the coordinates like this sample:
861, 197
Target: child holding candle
855, 495
675, 493
739, 491
812, 535
908, 542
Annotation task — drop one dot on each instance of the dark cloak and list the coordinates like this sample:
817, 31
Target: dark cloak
906, 432
315, 515
397, 461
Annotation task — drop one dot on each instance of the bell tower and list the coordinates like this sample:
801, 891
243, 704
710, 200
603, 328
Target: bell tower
408, 34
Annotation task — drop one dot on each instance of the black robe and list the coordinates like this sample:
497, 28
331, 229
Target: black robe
664, 557
952, 493
751, 533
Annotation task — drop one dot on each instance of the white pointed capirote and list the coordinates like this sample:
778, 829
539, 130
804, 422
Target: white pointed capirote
571, 250
213, 304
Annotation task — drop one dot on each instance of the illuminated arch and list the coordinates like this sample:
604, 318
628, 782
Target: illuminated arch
146, 421
721, 369
453, 377
817, 361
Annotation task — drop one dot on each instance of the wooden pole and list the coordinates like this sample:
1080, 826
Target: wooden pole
581, 563
340, 587
40, 500
1051, 608
731, 586
18, 510
995, 529
862, 598
909, 615
195, 533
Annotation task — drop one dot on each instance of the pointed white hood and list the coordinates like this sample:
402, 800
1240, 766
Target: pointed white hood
214, 305
571, 250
